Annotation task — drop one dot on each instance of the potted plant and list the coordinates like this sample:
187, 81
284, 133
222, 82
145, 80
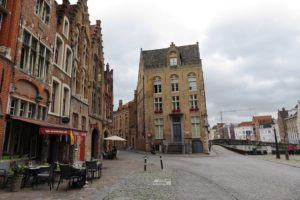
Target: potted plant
17, 177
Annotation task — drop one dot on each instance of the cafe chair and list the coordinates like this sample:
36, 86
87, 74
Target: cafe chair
46, 174
66, 174
92, 168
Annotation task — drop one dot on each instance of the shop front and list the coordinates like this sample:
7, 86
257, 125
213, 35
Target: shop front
40, 140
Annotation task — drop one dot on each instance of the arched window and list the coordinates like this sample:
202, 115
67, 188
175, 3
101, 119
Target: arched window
157, 85
174, 83
192, 82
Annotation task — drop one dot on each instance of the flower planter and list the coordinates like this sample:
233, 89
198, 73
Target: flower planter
16, 182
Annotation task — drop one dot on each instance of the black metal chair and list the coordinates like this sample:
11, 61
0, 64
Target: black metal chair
92, 168
45, 174
4, 177
66, 173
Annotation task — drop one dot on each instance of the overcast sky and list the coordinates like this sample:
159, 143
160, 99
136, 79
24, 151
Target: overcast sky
250, 49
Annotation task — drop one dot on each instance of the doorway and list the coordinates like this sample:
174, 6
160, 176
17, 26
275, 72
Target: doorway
176, 124
95, 144
197, 146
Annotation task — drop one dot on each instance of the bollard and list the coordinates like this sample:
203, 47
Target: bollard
161, 163
145, 163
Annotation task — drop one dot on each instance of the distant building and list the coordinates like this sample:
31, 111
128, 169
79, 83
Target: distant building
281, 115
292, 123
171, 105
244, 131
124, 123
264, 127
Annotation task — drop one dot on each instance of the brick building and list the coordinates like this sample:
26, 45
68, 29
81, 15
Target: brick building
171, 105
108, 102
124, 123
9, 19
52, 104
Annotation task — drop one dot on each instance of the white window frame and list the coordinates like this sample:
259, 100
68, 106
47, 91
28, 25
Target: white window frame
61, 52
174, 84
66, 29
173, 61
40, 10
58, 98
157, 85
195, 126
68, 101
68, 69
159, 128
175, 103
192, 83
46, 62
158, 104
193, 101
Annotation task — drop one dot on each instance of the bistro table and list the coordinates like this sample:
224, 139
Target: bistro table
31, 172
81, 173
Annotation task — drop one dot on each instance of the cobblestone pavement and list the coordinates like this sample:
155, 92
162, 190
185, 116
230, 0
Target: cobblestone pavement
222, 175
113, 172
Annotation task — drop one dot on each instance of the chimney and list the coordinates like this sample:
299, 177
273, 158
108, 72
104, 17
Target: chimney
120, 103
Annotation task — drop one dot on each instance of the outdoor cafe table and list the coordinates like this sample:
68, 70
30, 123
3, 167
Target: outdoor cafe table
81, 173
32, 171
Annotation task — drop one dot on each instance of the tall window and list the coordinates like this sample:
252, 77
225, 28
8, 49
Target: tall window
41, 113
78, 78
13, 106
195, 122
159, 128
75, 120
84, 53
68, 61
175, 103
55, 97
31, 110
66, 27
42, 9
83, 123
33, 55
157, 85
192, 82
58, 56
25, 50
76, 45
44, 61
158, 104
66, 102
174, 83
193, 102
23, 107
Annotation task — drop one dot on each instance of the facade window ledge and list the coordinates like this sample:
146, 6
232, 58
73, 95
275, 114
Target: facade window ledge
176, 110
194, 109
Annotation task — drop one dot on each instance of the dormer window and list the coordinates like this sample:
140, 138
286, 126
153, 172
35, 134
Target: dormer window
173, 59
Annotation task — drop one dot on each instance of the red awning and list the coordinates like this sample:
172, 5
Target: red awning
51, 129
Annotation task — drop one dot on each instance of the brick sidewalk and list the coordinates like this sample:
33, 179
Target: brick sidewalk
113, 172
294, 159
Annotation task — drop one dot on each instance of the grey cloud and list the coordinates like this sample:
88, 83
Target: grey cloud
266, 76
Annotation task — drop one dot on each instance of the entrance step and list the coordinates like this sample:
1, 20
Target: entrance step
174, 148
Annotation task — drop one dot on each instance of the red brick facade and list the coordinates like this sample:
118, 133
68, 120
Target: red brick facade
8, 40
53, 74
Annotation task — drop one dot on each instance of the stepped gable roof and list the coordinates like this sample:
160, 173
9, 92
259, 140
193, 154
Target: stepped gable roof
189, 54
